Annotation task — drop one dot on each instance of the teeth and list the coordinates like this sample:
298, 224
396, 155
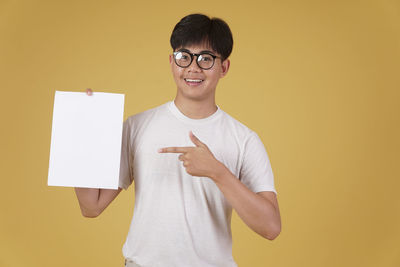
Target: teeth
193, 80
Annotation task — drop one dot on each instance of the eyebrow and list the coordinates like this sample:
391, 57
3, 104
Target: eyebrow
207, 51
203, 51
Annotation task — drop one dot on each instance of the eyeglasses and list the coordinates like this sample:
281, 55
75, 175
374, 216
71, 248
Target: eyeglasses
184, 58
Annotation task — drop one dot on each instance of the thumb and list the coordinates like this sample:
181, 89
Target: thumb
89, 91
195, 140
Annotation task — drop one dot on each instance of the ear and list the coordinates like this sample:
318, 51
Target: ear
171, 63
225, 67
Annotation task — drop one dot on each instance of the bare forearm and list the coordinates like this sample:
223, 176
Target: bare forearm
93, 201
88, 200
257, 212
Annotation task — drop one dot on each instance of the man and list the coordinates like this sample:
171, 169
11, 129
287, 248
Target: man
191, 163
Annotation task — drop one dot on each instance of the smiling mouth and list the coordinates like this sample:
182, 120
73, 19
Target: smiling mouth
193, 80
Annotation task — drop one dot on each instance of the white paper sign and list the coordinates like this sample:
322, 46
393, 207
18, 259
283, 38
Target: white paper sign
86, 140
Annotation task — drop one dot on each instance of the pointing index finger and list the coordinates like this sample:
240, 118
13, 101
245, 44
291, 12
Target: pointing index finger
174, 150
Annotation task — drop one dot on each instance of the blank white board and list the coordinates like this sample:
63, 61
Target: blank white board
86, 137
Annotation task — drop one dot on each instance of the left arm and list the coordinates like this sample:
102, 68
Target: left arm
259, 211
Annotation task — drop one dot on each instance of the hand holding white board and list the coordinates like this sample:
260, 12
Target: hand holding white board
86, 137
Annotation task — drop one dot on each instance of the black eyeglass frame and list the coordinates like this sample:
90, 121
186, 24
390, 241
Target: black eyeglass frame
197, 56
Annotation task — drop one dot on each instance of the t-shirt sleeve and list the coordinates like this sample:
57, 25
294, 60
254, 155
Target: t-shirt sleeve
256, 172
126, 170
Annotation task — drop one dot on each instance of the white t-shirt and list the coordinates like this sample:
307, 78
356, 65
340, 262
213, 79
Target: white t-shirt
182, 220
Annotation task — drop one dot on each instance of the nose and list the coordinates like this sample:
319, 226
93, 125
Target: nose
194, 67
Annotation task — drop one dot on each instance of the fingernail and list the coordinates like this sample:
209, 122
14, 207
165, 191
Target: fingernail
159, 150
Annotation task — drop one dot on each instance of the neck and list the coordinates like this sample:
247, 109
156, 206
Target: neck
195, 109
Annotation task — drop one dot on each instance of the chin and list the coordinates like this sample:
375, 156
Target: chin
194, 95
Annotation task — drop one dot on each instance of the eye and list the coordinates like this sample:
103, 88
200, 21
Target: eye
183, 56
206, 58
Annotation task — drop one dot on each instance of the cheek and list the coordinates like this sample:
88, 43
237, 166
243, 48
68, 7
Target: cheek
176, 73
213, 77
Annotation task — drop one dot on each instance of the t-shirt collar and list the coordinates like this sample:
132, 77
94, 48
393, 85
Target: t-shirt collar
177, 113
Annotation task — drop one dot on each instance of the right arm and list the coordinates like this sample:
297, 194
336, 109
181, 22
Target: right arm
93, 201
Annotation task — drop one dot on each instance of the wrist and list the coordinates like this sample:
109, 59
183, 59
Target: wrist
219, 171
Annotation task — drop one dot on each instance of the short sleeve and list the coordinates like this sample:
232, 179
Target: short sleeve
256, 172
126, 170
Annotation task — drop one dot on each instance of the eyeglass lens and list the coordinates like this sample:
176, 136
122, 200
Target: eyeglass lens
183, 59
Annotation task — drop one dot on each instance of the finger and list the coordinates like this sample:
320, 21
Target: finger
89, 91
181, 157
174, 150
195, 140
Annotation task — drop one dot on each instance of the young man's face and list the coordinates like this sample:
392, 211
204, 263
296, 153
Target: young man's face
195, 83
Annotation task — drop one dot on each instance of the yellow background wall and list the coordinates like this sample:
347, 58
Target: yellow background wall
317, 80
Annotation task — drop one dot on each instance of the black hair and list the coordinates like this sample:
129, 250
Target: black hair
197, 29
